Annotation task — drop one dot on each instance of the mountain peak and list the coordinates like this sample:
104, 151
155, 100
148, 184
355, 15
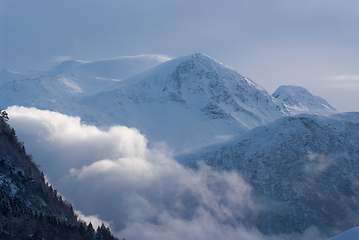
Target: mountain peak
211, 98
206, 61
298, 100
202, 56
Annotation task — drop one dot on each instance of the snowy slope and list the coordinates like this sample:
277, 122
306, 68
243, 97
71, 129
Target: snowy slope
188, 102
351, 234
48, 92
299, 100
306, 166
60, 87
42, 92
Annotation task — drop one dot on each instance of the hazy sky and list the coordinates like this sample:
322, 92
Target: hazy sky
311, 43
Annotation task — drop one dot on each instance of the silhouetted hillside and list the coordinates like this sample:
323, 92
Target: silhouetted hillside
29, 207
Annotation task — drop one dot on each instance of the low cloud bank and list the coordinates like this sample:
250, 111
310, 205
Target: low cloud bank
316, 163
142, 193
59, 142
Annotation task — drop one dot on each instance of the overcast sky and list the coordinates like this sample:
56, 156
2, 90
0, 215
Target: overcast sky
311, 43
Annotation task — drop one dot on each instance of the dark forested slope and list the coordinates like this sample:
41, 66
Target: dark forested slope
29, 207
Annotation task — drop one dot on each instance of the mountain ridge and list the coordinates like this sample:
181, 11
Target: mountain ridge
195, 88
305, 163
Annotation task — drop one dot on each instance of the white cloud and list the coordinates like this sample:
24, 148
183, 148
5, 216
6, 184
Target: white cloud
59, 59
344, 78
94, 219
317, 162
60, 142
112, 175
344, 82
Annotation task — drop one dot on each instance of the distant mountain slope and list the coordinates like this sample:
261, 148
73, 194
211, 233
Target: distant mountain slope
7, 75
114, 68
66, 83
307, 165
187, 102
50, 92
29, 207
299, 100
351, 234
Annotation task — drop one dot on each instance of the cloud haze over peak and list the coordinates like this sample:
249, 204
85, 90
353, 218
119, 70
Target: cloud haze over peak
112, 175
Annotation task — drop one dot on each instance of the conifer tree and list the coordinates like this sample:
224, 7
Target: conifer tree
82, 229
90, 232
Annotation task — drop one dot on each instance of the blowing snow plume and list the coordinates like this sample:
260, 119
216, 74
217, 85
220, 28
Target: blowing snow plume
141, 192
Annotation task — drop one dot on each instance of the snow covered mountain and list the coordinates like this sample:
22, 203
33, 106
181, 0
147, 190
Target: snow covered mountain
306, 166
298, 100
50, 92
187, 102
46, 92
66, 83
